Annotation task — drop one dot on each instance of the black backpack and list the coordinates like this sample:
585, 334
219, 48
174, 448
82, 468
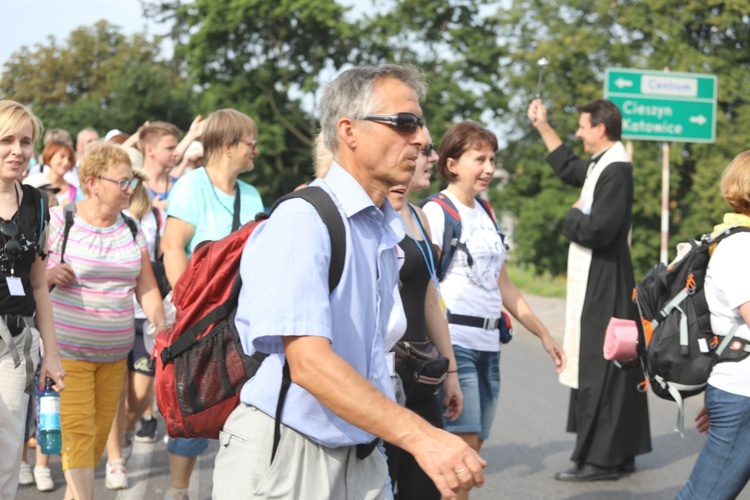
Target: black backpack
677, 347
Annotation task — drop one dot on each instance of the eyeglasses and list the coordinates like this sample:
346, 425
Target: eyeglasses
12, 248
124, 184
405, 122
427, 150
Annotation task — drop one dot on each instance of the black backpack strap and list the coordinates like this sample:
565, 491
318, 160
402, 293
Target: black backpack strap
726, 233
329, 212
157, 241
132, 225
70, 212
40, 200
237, 207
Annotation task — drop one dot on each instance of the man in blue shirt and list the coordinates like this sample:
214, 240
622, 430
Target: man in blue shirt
341, 399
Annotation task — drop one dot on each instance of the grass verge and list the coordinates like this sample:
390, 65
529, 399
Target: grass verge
529, 281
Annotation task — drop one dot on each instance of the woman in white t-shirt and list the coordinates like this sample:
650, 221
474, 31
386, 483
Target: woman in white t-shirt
476, 285
723, 466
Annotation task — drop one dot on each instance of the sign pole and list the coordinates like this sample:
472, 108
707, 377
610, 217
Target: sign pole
629, 150
664, 256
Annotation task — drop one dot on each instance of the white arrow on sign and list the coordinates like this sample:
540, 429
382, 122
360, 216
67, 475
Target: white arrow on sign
622, 83
700, 119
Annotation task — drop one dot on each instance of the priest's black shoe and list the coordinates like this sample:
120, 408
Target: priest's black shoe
627, 466
587, 472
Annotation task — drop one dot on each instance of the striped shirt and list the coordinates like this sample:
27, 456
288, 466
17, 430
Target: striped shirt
94, 313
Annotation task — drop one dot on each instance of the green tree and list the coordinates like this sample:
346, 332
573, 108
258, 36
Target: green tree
268, 59
456, 46
98, 78
581, 38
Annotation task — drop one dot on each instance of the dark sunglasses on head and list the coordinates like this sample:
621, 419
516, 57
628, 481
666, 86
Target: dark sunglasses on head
124, 184
12, 248
405, 122
427, 150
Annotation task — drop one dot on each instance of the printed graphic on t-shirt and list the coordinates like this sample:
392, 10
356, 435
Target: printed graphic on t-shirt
486, 250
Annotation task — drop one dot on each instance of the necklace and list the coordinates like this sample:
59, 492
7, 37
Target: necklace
426, 253
216, 195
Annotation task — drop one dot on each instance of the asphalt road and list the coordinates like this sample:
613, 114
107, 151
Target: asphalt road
527, 445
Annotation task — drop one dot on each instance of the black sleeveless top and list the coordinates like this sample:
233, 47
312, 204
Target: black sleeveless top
27, 218
414, 277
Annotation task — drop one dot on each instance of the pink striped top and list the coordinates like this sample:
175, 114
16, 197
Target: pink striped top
94, 313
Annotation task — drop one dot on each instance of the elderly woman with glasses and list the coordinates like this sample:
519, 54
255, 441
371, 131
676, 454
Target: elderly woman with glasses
25, 310
98, 261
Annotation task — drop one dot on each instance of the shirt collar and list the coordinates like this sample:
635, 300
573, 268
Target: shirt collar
348, 191
392, 224
354, 199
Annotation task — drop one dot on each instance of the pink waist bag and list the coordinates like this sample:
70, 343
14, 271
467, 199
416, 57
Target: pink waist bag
621, 340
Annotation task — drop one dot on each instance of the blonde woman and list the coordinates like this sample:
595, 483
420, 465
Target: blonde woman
96, 271
723, 468
25, 311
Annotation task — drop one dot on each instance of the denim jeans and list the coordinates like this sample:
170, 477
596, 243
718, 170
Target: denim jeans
479, 377
723, 466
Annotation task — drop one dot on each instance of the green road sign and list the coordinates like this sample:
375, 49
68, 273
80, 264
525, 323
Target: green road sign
664, 106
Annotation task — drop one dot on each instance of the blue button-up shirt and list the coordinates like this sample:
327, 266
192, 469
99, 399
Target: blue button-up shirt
285, 292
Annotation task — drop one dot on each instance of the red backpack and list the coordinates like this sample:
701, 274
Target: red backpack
200, 363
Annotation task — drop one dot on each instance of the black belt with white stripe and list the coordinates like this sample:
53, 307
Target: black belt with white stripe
486, 323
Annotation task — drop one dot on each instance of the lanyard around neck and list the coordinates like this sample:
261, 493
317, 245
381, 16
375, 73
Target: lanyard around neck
428, 256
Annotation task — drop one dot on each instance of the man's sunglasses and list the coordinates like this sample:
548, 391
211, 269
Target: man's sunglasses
405, 122
12, 248
427, 150
124, 184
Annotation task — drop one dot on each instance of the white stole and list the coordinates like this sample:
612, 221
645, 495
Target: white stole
579, 262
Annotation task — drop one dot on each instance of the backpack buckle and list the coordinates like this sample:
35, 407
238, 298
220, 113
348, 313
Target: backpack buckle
166, 355
491, 323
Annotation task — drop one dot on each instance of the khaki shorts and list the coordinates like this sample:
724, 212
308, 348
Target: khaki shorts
300, 469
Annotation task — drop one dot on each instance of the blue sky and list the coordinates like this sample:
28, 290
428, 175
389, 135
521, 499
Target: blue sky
28, 22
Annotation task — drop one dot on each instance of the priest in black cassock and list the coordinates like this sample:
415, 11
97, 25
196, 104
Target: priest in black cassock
607, 411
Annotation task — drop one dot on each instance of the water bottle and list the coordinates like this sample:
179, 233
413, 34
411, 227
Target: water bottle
50, 439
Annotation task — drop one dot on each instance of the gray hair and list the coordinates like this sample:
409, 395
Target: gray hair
352, 94
83, 131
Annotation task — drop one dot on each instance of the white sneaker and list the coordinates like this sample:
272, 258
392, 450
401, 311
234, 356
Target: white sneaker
25, 476
43, 478
116, 479
127, 445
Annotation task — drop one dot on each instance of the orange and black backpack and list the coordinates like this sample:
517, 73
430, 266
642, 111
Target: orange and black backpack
677, 348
